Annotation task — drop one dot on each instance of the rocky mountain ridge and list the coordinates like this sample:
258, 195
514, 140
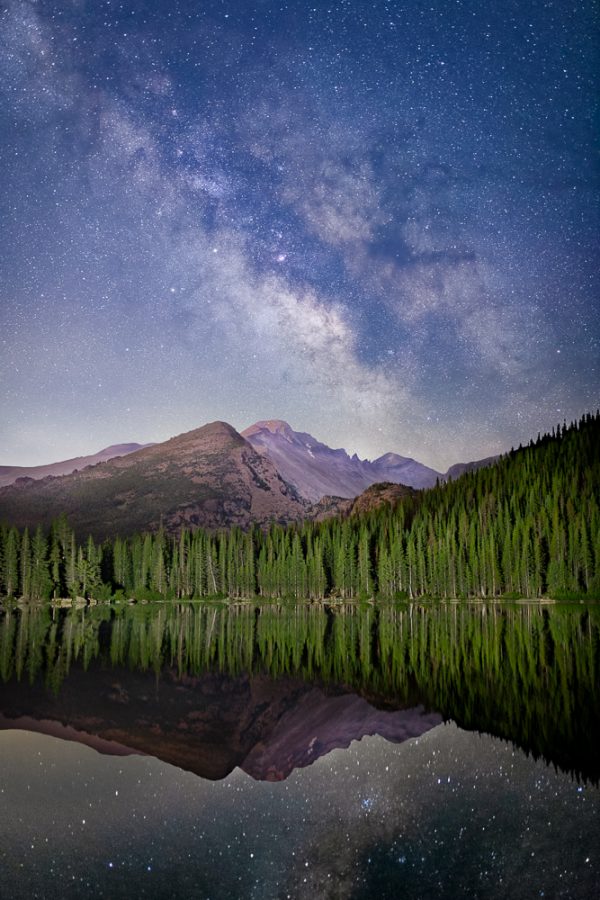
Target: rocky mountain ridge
209, 477
214, 477
317, 470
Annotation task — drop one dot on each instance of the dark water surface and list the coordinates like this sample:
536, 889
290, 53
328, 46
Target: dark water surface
300, 751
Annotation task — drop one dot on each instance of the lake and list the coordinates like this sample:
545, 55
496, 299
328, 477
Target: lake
275, 751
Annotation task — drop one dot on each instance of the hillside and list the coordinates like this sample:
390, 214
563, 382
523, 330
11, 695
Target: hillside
209, 477
9, 474
371, 498
281, 476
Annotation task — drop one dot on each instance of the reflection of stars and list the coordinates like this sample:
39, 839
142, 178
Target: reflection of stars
399, 829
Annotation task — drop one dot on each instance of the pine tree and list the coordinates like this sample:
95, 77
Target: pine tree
40, 576
11, 562
26, 565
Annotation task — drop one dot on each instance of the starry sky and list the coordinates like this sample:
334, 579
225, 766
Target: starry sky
375, 220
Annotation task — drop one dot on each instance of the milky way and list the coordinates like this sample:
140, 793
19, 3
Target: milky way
451, 814
377, 221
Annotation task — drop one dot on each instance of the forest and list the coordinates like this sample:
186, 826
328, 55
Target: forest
527, 526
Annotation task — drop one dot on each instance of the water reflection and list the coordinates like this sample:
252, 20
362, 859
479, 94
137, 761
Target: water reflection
272, 688
260, 702
449, 815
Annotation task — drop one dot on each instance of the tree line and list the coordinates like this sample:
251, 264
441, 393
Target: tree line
527, 526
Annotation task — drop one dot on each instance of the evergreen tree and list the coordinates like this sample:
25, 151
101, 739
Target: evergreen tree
41, 584
11, 562
26, 565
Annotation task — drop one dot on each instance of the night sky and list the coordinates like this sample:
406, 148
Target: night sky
377, 221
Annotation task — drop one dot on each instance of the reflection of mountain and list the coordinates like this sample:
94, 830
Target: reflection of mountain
208, 724
524, 673
317, 724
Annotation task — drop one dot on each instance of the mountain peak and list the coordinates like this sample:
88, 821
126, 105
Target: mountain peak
218, 427
211, 429
213, 437
209, 477
274, 426
316, 470
392, 459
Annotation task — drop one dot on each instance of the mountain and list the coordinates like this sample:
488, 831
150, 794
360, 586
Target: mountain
403, 470
479, 536
9, 474
371, 498
459, 469
208, 477
377, 494
312, 467
206, 724
315, 470
212, 477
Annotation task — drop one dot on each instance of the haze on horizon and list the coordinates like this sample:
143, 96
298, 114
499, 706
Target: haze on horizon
377, 222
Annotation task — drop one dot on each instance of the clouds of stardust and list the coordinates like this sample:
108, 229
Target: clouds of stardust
375, 220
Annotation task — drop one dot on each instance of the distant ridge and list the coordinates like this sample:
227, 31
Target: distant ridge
9, 474
316, 470
459, 469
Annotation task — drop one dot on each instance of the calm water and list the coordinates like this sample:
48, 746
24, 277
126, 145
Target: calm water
222, 752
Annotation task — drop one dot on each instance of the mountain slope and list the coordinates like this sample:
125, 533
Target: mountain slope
459, 469
9, 474
210, 477
527, 526
316, 470
403, 470
372, 498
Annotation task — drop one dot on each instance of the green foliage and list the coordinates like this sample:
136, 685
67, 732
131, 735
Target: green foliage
528, 526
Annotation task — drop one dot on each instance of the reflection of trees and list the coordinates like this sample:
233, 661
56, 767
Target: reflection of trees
526, 673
